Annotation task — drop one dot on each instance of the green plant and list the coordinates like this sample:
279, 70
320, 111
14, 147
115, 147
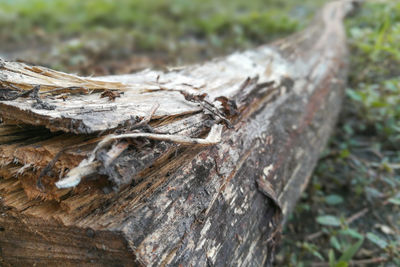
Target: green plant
354, 193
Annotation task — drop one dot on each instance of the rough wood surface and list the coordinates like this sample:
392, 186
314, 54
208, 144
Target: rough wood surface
168, 201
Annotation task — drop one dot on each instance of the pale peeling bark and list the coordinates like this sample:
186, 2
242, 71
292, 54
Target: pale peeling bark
154, 185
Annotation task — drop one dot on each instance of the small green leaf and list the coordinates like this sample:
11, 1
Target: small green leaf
328, 220
344, 153
356, 32
395, 201
313, 249
318, 255
342, 264
380, 242
389, 181
354, 95
333, 199
352, 233
349, 253
372, 192
335, 243
332, 259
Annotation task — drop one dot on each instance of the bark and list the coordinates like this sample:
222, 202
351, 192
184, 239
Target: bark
144, 180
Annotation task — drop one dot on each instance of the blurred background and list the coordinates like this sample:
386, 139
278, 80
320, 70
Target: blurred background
350, 212
107, 37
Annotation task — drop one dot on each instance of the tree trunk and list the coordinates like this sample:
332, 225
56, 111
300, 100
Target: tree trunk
196, 166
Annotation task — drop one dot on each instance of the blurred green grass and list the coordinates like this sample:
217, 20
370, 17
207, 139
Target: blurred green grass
151, 21
179, 30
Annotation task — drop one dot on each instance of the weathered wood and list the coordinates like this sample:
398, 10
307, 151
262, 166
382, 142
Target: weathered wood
174, 201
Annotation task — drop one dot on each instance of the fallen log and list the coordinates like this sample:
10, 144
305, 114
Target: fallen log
195, 166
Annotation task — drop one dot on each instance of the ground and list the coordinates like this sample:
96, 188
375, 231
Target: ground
350, 212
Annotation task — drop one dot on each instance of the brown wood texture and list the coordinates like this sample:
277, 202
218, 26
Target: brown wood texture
174, 192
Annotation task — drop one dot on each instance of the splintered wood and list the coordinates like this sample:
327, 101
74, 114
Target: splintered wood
167, 168
188, 103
